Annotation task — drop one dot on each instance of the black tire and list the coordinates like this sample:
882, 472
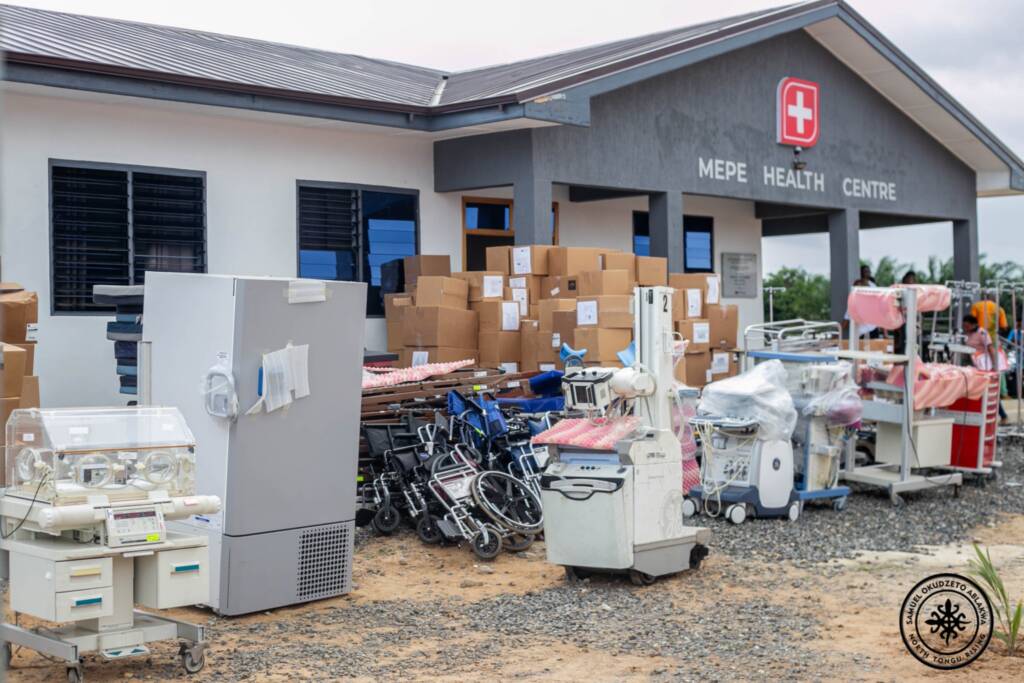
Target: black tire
75, 675
387, 519
517, 543
697, 555
639, 578
428, 531
191, 663
489, 549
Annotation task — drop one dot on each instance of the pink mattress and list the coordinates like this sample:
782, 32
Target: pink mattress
600, 434
880, 306
939, 384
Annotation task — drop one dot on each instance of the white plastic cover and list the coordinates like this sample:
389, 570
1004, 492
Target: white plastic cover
760, 395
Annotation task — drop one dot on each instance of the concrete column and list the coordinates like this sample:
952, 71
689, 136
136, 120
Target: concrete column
666, 225
844, 247
532, 211
966, 261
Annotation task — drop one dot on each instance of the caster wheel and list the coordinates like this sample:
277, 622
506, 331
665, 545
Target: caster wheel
794, 511
736, 513
897, 500
517, 543
839, 504
428, 530
956, 491
191, 662
689, 507
75, 674
5, 656
697, 555
639, 578
489, 547
387, 520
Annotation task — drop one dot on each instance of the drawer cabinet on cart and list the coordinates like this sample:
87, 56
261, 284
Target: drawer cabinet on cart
67, 590
173, 578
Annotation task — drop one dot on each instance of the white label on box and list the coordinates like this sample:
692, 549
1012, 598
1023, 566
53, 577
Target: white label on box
512, 384
517, 282
713, 289
520, 295
510, 368
586, 313
707, 376
419, 358
555, 291
480, 373
509, 316
521, 260
492, 286
306, 291
701, 333
28, 438
547, 367
556, 340
693, 303
31, 332
719, 363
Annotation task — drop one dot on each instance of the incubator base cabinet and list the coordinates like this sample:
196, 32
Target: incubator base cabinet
85, 533
267, 372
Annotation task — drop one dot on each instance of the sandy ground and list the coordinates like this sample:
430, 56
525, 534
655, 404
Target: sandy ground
855, 603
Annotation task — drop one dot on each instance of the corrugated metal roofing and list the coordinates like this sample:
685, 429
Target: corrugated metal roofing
210, 57
183, 55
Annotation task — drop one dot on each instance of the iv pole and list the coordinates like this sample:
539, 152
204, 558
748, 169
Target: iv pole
771, 301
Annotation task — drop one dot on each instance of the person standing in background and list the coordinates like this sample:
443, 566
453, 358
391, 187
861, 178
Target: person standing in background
978, 338
990, 315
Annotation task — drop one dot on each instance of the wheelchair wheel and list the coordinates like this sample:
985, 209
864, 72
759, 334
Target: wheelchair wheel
487, 549
517, 543
387, 520
428, 530
508, 502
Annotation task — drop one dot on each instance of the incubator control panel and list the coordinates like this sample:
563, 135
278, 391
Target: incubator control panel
135, 526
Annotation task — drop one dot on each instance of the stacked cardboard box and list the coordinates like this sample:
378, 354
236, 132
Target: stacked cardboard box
19, 385
531, 300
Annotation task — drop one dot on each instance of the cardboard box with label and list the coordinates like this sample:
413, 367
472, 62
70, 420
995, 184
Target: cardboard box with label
563, 324
708, 283
535, 347
533, 284
687, 304
614, 311
12, 370
725, 322
692, 369
600, 282
444, 292
697, 332
530, 260
573, 260
497, 316
483, 284
439, 326
652, 271
547, 309
602, 344
417, 266
412, 356
521, 297
618, 260
723, 364
500, 347
18, 310
560, 287
498, 259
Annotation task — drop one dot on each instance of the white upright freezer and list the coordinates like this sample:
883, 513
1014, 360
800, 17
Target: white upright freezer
287, 476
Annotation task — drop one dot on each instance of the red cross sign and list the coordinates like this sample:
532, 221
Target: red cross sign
797, 112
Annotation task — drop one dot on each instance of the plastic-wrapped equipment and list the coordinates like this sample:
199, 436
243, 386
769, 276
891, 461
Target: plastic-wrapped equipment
759, 394
829, 391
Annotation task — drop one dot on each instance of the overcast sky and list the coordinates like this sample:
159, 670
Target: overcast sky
973, 48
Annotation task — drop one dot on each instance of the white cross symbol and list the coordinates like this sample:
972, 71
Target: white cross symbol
799, 112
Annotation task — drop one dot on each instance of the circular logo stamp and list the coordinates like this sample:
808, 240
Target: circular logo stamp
946, 621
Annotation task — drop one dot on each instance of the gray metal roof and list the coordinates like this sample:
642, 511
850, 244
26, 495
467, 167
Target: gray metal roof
117, 47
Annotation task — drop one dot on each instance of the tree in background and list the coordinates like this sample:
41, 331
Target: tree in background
807, 295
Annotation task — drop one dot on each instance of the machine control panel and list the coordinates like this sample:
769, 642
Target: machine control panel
135, 526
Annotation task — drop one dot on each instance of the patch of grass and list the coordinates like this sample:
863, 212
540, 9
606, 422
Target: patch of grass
1008, 616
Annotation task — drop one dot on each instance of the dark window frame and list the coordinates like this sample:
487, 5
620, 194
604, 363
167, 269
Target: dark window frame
356, 187
708, 227
129, 170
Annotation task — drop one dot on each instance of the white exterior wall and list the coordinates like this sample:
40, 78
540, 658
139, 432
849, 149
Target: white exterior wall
252, 163
251, 167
